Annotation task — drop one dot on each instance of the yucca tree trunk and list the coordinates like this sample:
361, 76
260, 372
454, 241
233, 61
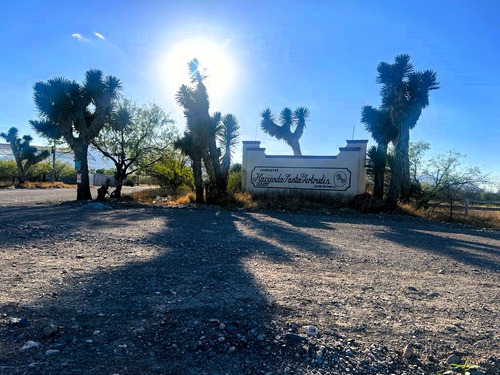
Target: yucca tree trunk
295, 145
226, 163
198, 180
400, 182
83, 188
378, 183
21, 175
119, 178
218, 185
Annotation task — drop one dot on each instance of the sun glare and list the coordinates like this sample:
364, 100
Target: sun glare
215, 62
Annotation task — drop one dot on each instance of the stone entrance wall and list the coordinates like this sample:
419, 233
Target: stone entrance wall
343, 173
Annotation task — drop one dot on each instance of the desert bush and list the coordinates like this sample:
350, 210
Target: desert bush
172, 173
130, 181
8, 170
68, 176
234, 182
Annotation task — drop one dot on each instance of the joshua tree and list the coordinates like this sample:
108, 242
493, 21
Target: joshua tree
228, 133
200, 138
383, 131
24, 154
77, 113
288, 119
405, 93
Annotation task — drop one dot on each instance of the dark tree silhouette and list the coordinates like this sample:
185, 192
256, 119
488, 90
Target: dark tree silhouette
288, 119
383, 131
77, 113
25, 155
200, 138
228, 133
405, 93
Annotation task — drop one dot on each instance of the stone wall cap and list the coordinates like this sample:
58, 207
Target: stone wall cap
357, 141
349, 148
300, 157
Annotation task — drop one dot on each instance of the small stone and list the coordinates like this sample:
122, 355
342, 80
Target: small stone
221, 339
96, 332
80, 256
89, 341
30, 344
101, 315
50, 330
453, 359
232, 349
412, 289
51, 352
222, 326
407, 352
14, 321
261, 337
310, 330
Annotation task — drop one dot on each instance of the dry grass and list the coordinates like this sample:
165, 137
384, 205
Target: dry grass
484, 219
159, 196
292, 201
48, 185
297, 201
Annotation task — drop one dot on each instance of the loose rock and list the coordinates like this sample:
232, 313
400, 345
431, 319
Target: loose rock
50, 330
407, 352
30, 345
453, 359
52, 352
310, 330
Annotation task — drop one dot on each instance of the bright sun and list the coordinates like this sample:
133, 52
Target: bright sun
215, 62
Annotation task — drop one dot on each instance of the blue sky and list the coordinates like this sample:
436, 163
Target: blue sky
318, 54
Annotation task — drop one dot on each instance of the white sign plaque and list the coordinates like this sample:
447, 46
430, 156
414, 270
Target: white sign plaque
329, 179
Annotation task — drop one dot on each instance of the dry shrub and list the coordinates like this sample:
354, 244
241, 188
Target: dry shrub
150, 196
48, 185
245, 200
483, 219
290, 201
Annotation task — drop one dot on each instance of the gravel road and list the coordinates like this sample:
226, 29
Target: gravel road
201, 290
27, 197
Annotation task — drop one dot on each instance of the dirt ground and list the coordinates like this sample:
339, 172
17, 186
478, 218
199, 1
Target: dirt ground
201, 290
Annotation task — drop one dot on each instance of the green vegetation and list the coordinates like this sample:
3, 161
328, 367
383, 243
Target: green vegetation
172, 173
135, 139
8, 170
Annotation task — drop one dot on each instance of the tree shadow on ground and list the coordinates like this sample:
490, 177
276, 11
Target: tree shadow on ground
433, 239
188, 306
